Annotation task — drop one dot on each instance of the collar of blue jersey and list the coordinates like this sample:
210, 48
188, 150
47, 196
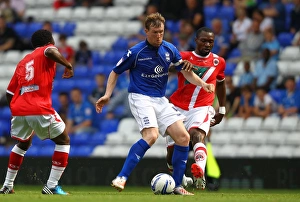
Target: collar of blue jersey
152, 47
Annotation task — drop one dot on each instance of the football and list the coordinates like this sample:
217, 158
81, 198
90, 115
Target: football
162, 183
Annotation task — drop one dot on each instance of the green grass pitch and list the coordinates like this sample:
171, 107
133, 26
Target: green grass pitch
144, 194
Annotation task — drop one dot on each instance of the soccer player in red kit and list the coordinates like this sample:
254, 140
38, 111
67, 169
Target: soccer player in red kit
196, 104
29, 98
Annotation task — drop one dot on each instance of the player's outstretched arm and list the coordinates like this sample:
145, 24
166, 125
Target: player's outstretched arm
110, 86
56, 56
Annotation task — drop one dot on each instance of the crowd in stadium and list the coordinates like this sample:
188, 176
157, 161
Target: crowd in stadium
250, 35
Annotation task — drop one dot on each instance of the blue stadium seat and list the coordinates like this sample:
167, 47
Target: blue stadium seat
121, 44
80, 139
173, 26
68, 28
5, 113
81, 71
32, 27
56, 27
83, 150
46, 150
210, 12
226, 12
97, 138
85, 85
230, 67
21, 29
34, 150
112, 57
96, 57
234, 53
4, 150
285, 39
109, 125
63, 85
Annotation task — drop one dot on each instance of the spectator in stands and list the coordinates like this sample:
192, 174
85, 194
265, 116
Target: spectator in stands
248, 5
186, 36
247, 102
63, 98
171, 9
246, 78
104, 3
9, 39
296, 39
233, 97
193, 13
265, 72
275, 10
57, 4
251, 46
119, 99
271, 43
8, 11
240, 27
80, 114
149, 8
295, 16
221, 45
66, 50
99, 91
18, 6
289, 105
264, 105
47, 25
265, 22
83, 55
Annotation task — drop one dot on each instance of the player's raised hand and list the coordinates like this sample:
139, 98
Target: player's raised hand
100, 103
187, 65
68, 73
210, 88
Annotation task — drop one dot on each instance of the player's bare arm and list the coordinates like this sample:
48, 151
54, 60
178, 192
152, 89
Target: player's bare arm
221, 94
56, 56
110, 86
196, 80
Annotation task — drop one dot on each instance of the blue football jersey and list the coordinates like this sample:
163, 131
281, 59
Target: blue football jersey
148, 67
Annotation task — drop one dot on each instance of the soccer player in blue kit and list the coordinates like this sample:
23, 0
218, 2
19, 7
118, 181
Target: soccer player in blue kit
148, 63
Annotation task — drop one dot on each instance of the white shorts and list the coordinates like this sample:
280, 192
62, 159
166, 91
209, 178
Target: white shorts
44, 126
155, 112
199, 117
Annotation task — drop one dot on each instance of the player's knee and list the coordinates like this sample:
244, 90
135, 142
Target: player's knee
197, 136
183, 139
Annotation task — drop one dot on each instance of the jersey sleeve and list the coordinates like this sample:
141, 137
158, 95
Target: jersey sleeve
13, 85
221, 74
125, 63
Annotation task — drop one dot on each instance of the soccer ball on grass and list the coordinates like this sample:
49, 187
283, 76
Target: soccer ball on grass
162, 183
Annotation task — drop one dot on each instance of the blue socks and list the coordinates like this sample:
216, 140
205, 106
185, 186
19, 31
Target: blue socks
179, 160
136, 153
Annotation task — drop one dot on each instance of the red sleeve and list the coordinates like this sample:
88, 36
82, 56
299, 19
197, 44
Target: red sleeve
221, 74
13, 85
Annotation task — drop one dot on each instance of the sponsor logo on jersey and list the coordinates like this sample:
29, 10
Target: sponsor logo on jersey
143, 59
216, 61
167, 56
159, 72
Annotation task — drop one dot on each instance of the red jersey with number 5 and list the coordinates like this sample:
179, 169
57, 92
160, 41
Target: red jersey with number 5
31, 84
210, 69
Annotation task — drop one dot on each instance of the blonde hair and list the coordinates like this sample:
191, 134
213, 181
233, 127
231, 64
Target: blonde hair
154, 20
